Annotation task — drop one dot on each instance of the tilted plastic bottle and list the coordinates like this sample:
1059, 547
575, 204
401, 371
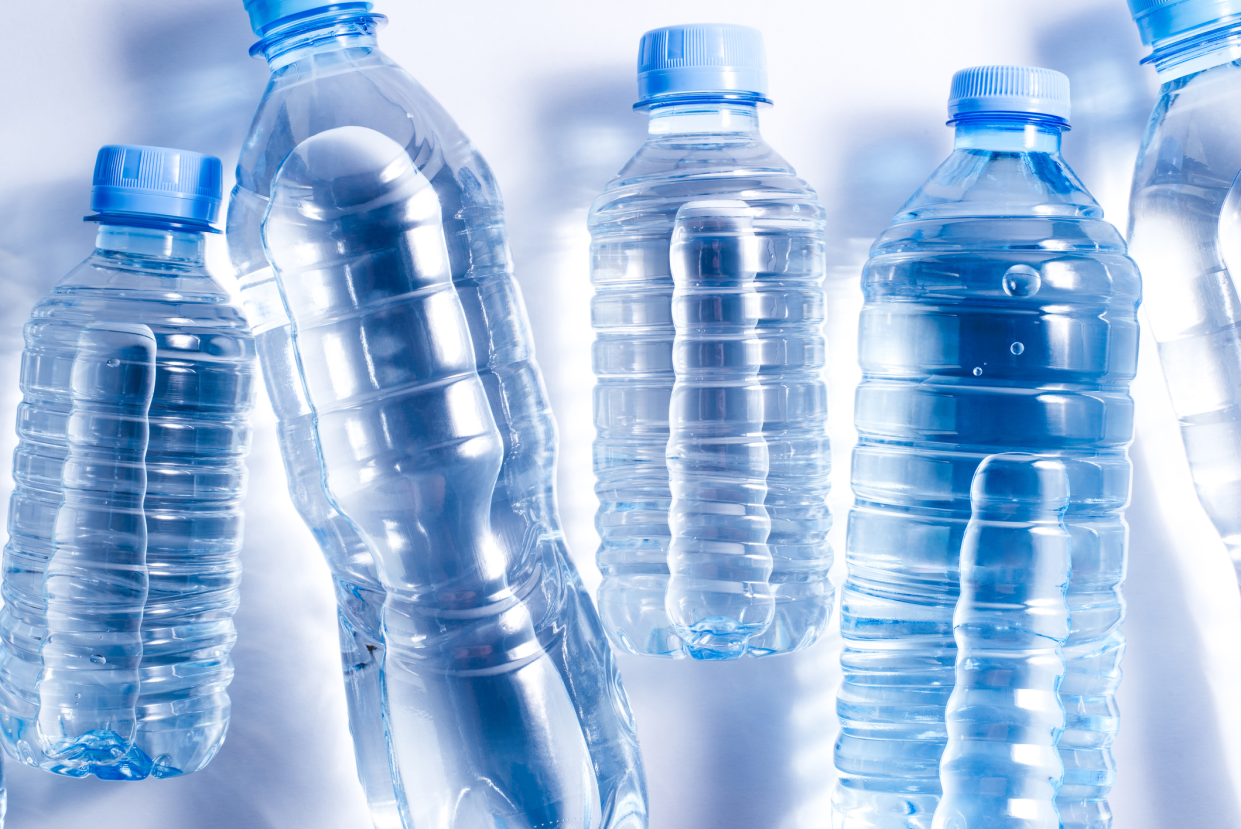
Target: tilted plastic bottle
122, 569
1000, 769
1000, 316
1183, 224
702, 85
481, 726
328, 72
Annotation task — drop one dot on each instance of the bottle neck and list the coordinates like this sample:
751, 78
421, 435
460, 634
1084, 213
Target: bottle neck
1213, 44
184, 247
703, 118
330, 32
1008, 133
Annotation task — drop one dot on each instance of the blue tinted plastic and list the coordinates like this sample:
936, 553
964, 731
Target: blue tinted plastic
156, 183
94, 562
1024, 89
1163, 20
319, 84
1000, 767
701, 58
1000, 316
266, 14
768, 341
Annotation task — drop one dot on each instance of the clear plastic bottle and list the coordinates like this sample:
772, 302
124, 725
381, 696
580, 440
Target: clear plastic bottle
1000, 767
1179, 232
702, 85
1000, 316
328, 72
481, 725
122, 569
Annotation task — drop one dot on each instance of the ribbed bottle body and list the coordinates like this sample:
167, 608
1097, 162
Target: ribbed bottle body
361, 87
632, 225
1004, 718
981, 334
195, 479
1186, 167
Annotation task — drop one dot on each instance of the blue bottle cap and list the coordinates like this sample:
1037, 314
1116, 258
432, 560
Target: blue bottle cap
1016, 89
719, 58
265, 14
156, 185
1167, 19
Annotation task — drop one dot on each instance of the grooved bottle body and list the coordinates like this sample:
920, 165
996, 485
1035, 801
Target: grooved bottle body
1000, 769
1189, 159
195, 478
1000, 316
695, 153
341, 79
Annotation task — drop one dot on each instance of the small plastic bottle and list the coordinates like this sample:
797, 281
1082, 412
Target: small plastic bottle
702, 85
122, 569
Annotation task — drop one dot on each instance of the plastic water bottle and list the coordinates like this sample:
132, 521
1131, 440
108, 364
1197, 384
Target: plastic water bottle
702, 85
1000, 316
1182, 231
1001, 768
328, 72
122, 568
412, 454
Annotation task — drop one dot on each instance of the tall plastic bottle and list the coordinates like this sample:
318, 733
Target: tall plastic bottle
710, 597
122, 568
328, 72
1000, 769
1181, 232
1000, 316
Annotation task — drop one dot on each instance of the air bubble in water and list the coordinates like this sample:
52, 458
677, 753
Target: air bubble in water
98, 660
1016, 348
978, 372
1021, 281
113, 362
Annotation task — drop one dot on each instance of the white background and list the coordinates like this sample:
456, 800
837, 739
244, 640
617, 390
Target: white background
544, 87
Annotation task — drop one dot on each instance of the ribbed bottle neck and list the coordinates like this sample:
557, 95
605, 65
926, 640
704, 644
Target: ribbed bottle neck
1008, 133
183, 247
1213, 44
703, 118
320, 34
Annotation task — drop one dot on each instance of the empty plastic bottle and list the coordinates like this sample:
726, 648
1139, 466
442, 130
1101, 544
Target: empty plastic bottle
1000, 316
1184, 223
1000, 769
122, 568
327, 73
702, 85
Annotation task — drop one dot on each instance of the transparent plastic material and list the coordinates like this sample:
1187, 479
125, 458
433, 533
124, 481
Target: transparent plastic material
95, 584
122, 569
412, 453
328, 73
1000, 767
768, 328
1179, 234
1000, 316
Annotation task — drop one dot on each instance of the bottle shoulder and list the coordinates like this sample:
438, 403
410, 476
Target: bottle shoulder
324, 92
989, 183
665, 174
134, 289
1189, 155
